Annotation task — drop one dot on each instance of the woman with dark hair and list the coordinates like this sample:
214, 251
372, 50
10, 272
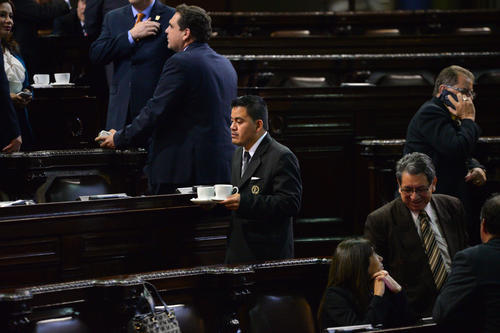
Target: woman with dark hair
16, 72
359, 291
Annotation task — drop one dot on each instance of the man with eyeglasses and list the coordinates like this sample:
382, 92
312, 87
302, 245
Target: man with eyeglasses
445, 129
418, 233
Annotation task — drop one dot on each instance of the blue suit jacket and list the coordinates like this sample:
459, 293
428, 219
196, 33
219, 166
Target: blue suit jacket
188, 119
137, 67
9, 125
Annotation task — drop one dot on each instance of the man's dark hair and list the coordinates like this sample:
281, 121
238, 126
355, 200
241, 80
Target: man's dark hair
449, 77
414, 164
256, 108
197, 20
490, 213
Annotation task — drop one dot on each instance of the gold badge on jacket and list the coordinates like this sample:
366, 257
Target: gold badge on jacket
255, 189
157, 18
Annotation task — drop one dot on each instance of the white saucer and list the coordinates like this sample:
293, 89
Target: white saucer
62, 84
38, 85
215, 199
201, 201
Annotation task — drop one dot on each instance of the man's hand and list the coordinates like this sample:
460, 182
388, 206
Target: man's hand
232, 202
477, 176
464, 108
107, 141
145, 29
13, 146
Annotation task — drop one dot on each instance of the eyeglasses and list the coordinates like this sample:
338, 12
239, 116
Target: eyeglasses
466, 92
418, 190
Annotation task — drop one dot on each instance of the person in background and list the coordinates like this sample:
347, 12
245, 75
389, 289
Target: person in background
445, 129
10, 134
16, 72
188, 116
470, 299
31, 15
419, 232
132, 40
360, 291
270, 188
73, 23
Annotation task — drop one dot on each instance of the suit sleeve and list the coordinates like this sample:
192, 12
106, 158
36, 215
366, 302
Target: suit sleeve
93, 17
32, 11
169, 91
286, 192
375, 233
438, 129
9, 125
456, 297
108, 47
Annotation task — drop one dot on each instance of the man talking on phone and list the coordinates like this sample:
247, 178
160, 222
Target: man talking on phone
444, 128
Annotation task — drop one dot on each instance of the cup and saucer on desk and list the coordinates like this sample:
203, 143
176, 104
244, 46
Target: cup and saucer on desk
61, 80
41, 81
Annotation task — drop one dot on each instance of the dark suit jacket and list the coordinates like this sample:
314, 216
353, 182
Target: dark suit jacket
68, 25
471, 295
433, 132
341, 309
188, 119
393, 233
95, 11
137, 67
29, 15
270, 195
9, 125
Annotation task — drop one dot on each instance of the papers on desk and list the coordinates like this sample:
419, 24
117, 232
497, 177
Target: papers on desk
16, 203
103, 196
354, 328
186, 190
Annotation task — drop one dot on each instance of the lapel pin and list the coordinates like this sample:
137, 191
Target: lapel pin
157, 17
255, 189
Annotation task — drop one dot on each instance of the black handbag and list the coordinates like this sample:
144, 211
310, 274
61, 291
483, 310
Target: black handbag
154, 321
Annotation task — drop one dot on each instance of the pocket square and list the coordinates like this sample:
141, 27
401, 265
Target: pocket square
255, 178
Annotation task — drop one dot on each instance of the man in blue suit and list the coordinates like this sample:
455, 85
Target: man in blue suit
10, 134
138, 52
188, 117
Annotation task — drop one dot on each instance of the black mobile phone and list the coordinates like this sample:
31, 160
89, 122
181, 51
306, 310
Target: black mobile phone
445, 100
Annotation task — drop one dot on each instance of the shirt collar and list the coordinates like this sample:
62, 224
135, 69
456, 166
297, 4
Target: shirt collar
255, 145
146, 12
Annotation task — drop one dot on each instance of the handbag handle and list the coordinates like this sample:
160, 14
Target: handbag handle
149, 286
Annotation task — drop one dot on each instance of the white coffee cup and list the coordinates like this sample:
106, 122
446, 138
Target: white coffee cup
205, 192
62, 77
222, 191
41, 78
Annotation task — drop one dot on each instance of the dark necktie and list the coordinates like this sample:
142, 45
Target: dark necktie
431, 248
246, 160
140, 16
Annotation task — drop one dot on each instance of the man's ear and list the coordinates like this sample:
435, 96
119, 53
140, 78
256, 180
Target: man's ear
187, 34
259, 125
433, 185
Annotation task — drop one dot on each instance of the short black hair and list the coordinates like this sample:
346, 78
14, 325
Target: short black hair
414, 164
256, 108
490, 213
197, 20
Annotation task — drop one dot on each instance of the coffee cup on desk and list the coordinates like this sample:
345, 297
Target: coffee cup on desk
222, 191
205, 192
41, 78
62, 78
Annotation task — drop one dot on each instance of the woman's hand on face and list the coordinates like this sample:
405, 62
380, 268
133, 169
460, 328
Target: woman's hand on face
379, 283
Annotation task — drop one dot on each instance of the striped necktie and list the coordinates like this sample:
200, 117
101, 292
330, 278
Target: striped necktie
246, 160
431, 248
140, 16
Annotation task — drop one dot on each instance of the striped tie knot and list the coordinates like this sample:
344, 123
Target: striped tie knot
140, 16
